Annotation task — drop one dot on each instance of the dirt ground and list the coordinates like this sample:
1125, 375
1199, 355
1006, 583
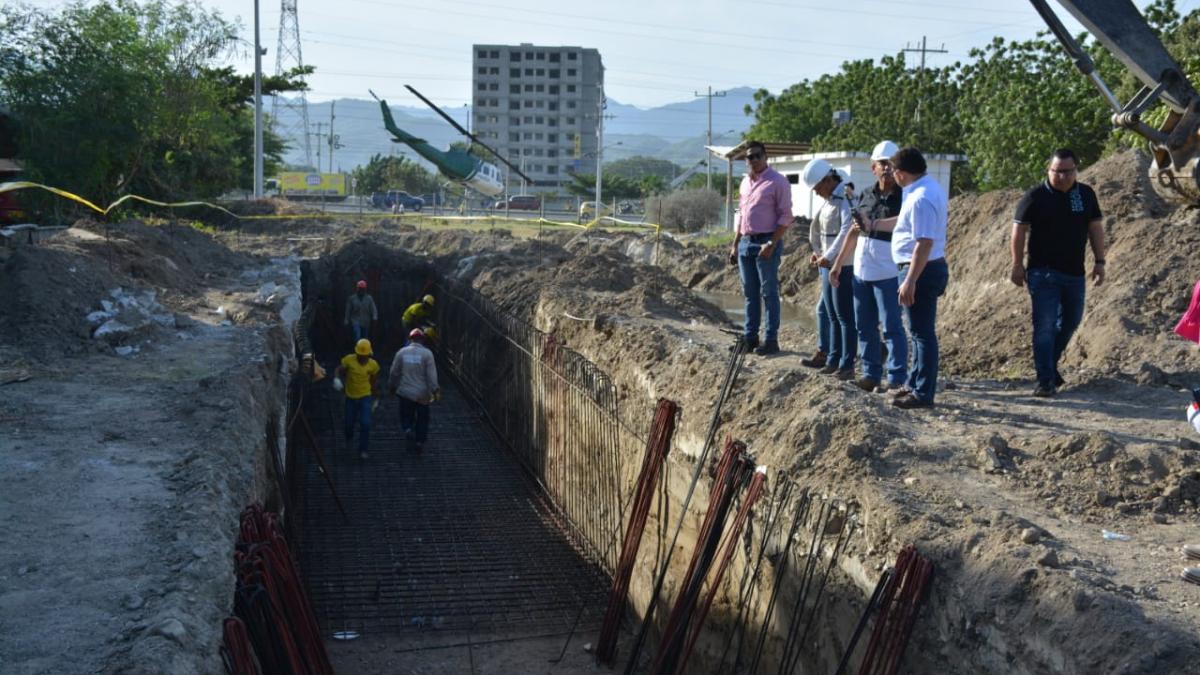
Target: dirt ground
127, 472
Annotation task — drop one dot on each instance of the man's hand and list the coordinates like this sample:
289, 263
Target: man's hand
835, 274
824, 262
733, 256
766, 250
908, 293
812, 260
1017, 274
1098, 274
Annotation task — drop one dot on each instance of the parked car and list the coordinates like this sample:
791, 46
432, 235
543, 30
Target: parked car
389, 199
588, 210
520, 202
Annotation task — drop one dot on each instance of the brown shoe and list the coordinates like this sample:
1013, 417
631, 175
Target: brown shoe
901, 391
882, 388
817, 360
829, 369
910, 401
866, 384
845, 374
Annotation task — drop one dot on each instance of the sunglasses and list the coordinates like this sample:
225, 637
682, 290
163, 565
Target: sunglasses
755, 156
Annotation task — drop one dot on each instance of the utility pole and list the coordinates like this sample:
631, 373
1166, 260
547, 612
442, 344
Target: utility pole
319, 135
258, 127
925, 50
709, 96
333, 138
599, 146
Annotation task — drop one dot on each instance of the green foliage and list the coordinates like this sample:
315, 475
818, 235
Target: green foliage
685, 210
615, 187
1007, 108
640, 167
384, 173
120, 97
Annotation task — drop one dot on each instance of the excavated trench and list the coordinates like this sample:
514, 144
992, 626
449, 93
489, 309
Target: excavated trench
509, 524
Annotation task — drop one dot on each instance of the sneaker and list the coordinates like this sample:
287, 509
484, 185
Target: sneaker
867, 384
909, 401
817, 360
845, 374
767, 348
829, 369
1043, 391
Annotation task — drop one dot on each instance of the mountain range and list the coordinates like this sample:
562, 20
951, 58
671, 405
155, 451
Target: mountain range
675, 131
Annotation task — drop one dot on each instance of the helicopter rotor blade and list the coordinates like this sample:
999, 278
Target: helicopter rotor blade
464, 132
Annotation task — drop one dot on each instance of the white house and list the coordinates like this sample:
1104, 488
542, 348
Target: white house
857, 165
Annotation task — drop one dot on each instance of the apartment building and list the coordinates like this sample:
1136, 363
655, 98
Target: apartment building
539, 107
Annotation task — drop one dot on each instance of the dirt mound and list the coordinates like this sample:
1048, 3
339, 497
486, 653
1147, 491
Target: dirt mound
984, 319
50, 289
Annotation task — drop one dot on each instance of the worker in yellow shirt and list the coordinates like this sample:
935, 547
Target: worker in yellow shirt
418, 314
359, 372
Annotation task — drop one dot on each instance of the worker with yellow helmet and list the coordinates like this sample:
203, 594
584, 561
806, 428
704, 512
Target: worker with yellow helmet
418, 314
360, 373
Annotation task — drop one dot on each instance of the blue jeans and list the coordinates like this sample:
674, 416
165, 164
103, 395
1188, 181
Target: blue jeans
922, 320
839, 303
1057, 300
415, 416
760, 277
824, 325
360, 330
359, 410
875, 302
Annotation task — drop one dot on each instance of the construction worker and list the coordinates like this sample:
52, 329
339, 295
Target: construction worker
360, 311
417, 315
360, 373
413, 378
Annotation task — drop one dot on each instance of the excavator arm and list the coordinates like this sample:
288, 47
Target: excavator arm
1121, 29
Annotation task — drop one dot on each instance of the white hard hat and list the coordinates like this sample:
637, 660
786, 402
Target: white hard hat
815, 172
884, 150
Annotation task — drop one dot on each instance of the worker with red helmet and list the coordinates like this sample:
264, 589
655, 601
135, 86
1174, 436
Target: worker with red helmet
413, 378
360, 311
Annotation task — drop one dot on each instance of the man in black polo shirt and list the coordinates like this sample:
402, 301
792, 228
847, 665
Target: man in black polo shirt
1059, 218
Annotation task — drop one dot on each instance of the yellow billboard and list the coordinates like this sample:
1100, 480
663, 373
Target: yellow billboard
303, 185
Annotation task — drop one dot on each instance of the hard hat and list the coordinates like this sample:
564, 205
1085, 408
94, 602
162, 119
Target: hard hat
361, 284
416, 334
815, 172
884, 150
428, 300
363, 347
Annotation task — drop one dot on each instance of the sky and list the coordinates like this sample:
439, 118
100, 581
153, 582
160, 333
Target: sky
654, 52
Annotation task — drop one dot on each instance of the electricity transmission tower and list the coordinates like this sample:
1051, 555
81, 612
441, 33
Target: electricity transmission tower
287, 56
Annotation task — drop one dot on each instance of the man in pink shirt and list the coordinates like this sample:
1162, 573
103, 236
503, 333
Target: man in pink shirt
765, 212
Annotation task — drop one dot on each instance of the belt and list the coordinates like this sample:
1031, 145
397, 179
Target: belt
906, 265
759, 237
881, 236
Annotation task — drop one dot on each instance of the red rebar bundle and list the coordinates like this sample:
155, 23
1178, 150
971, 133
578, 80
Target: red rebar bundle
657, 447
730, 474
274, 610
237, 653
898, 609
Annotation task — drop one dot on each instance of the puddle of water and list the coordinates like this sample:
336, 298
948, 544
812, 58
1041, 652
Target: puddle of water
793, 317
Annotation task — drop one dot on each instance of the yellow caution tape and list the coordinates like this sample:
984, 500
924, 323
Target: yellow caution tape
22, 185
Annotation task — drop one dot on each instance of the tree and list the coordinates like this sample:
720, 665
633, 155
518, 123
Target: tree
382, 173
119, 97
641, 166
615, 187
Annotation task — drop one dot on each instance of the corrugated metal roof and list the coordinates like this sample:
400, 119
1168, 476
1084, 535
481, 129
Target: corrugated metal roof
773, 149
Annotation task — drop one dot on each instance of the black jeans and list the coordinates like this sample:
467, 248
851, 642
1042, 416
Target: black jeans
415, 416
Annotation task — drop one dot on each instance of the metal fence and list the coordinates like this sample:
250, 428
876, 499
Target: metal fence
557, 411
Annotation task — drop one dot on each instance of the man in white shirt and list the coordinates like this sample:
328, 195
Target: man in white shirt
919, 248
828, 229
876, 279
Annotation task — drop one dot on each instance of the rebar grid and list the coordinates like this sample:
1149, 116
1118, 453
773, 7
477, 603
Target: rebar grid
453, 538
